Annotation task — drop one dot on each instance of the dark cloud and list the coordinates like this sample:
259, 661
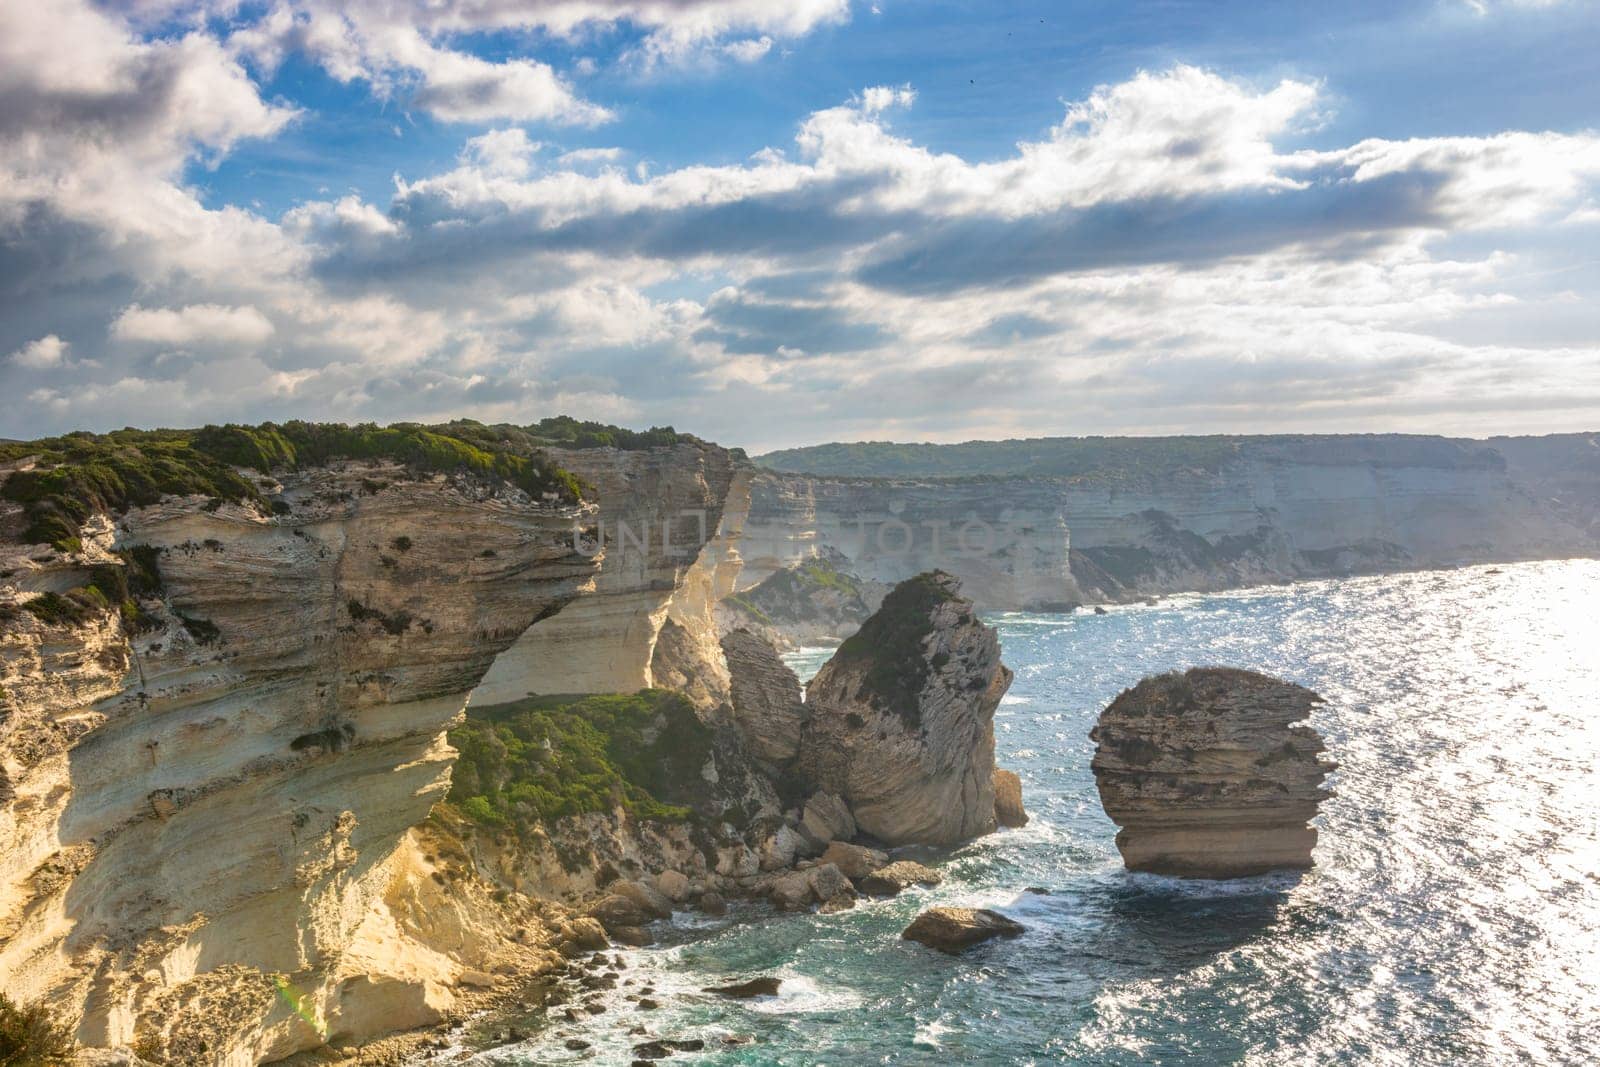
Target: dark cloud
747, 326
1342, 218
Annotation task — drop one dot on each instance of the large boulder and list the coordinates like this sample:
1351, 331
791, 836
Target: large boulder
901, 874
765, 697
651, 901
827, 818
1008, 810
755, 987
855, 861
901, 720
955, 930
1207, 774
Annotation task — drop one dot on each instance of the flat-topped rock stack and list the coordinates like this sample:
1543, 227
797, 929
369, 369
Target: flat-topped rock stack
1207, 774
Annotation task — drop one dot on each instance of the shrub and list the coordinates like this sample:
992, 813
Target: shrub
80, 474
32, 1037
547, 758
892, 640
71, 609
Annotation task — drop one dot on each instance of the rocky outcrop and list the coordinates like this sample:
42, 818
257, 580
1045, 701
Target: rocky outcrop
954, 930
855, 861
901, 719
890, 880
214, 792
755, 987
815, 600
1208, 774
1008, 810
766, 697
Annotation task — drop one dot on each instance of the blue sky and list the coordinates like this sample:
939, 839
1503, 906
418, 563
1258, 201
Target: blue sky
825, 220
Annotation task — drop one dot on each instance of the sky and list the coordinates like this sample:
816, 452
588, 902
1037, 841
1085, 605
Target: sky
776, 224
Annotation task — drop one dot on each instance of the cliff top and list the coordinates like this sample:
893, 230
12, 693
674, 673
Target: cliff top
79, 474
1122, 459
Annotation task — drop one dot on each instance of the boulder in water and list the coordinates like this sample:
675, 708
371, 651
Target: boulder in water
755, 987
1008, 810
955, 930
901, 874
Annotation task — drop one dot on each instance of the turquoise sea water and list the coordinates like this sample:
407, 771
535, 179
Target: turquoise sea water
1453, 915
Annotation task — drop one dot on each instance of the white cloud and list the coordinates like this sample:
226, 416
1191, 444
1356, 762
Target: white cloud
458, 87
195, 324
502, 153
1153, 262
579, 157
403, 49
48, 351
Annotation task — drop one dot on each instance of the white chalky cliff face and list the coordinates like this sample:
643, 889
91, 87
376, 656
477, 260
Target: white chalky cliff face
209, 831
1269, 509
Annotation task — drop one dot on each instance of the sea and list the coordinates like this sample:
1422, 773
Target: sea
1452, 916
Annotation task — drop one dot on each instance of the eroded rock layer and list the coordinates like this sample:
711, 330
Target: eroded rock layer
1209, 775
215, 782
901, 719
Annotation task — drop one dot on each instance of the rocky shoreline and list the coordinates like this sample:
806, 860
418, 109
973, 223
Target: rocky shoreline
360, 759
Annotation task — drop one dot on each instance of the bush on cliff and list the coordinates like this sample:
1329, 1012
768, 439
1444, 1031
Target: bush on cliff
891, 641
546, 758
32, 1037
80, 474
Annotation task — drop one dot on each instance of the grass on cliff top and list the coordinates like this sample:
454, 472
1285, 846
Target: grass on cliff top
545, 758
80, 474
891, 640
32, 1037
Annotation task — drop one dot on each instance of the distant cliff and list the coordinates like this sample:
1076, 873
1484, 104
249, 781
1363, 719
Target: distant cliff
1047, 523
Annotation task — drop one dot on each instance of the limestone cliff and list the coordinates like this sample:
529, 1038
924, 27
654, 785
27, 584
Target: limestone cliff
901, 720
214, 779
654, 511
1208, 774
1044, 524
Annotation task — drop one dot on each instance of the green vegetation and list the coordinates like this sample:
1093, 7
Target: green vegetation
204, 631
32, 1037
892, 639
73, 608
1090, 459
394, 625
109, 585
549, 757
460, 446
80, 474
791, 594
564, 431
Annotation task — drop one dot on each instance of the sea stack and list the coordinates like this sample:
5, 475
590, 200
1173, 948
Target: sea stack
901, 719
1207, 774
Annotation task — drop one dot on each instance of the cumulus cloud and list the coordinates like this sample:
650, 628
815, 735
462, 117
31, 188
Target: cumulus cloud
404, 49
47, 351
195, 324
1159, 259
